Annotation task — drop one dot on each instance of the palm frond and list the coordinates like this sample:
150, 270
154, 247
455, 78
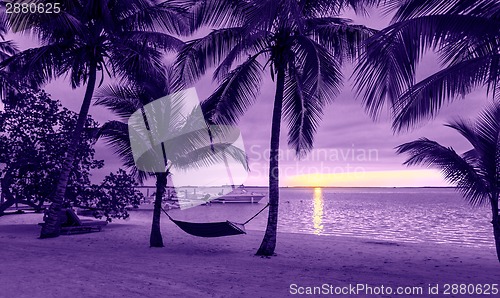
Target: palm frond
315, 8
424, 99
483, 135
215, 13
415, 8
321, 71
256, 42
387, 69
179, 144
454, 168
467, 130
267, 15
302, 116
134, 59
170, 16
210, 155
8, 84
313, 81
156, 40
39, 65
200, 54
115, 134
478, 39
122, 101
235, 94
340, 36
7, 49
122, 38
487, 127
49, 27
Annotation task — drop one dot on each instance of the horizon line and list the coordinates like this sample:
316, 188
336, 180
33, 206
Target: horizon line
263, 186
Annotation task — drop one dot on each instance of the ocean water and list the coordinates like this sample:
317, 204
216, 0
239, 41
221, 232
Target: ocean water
438, 215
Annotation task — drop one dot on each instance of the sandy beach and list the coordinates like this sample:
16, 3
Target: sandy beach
117, 262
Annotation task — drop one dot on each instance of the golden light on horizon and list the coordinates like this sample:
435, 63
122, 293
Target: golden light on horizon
400, 178
318, 211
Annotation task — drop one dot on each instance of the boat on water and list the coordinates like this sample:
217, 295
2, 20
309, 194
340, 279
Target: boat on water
186, 200
171, 204
239, 195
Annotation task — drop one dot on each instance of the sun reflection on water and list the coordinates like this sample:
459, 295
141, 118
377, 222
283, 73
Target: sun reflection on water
318, 211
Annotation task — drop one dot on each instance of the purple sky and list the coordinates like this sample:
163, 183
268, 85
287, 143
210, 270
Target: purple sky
349, 145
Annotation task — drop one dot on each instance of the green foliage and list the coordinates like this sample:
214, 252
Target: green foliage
34, 135
111, 198
35, 132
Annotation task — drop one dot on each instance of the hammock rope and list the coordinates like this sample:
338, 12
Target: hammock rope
267, 205
213, 229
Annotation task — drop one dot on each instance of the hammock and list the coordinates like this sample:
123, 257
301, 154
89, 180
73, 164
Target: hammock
213, 229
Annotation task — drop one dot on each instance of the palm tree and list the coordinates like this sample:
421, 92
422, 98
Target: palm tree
301, 42
111, 37
189, 145
476, 173
7, 49
465, 34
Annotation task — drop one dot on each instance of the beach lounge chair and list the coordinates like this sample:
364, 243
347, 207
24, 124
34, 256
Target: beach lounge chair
72, 224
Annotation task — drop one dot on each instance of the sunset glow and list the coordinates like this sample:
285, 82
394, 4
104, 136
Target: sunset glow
409, 178
318, 211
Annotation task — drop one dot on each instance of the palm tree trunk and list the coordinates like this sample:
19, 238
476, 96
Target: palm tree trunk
8, 198
269, 242
496, 224
156, 240
52, 227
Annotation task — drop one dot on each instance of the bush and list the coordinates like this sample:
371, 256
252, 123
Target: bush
111, 198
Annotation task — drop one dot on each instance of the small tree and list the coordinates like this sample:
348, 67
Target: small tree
476, 172
112, 196
34, 135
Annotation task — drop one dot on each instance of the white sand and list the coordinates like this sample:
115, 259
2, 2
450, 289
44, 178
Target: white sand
117, 262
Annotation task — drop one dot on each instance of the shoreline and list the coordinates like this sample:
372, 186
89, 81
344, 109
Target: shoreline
89, 265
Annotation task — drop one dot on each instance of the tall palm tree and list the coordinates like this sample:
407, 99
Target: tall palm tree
302, 43
189, 146
476, 173
465, 34
111, 37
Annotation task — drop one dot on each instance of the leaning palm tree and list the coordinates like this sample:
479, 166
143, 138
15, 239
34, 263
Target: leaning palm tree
465, 35
476, 172
189, 145
302, 43
87, 38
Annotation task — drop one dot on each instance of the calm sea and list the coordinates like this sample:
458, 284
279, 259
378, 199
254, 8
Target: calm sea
438, 215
